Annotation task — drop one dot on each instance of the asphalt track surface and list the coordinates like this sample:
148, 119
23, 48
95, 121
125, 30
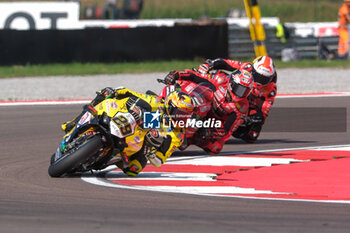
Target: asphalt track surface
31, 201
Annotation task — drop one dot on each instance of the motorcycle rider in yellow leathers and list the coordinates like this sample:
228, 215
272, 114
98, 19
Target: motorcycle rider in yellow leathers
158, 144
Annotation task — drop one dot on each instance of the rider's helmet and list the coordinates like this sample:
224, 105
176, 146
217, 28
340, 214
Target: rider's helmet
178, 106
263, 70
240, 85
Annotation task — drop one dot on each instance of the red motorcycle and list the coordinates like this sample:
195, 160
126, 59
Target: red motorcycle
224, 97
202, 95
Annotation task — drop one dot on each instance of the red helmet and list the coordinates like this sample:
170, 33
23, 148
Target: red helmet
241, 83
263, 70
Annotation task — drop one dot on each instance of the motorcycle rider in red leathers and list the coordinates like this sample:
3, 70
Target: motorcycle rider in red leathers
202, 95
230, 104
260, 99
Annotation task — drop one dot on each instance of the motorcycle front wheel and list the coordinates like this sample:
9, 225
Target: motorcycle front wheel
72, 160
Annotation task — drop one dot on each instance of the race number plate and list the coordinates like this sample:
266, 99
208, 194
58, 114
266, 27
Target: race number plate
123, 124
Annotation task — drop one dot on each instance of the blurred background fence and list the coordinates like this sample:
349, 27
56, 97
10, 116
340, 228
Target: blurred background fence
112, 45
309, 46
62, 32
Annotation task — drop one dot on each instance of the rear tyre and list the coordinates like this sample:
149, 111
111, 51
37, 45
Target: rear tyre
73, 160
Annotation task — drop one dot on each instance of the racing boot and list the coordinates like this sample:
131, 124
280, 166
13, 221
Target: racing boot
186, 143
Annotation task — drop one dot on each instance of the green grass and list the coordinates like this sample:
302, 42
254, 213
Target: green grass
92, 68
142, 67
286, 10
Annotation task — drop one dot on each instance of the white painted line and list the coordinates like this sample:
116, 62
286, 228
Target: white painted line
181, 189
44, 102
217, 191
233, 161
333, 147
206, 190
313, 95
100, 182
117, 175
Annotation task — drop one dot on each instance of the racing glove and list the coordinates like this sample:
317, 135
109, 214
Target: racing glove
107, 92
171, 78
248, 134
252, 135
151, 154
103, 94
213, 133
206, 67
149, 149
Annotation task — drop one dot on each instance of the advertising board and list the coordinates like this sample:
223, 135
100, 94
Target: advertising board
39, 15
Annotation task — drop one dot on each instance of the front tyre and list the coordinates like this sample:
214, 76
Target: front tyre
71, 161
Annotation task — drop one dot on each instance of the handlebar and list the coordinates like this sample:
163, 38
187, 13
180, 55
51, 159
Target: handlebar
161, 81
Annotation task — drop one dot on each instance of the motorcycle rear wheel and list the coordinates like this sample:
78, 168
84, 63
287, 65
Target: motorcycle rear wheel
73, 160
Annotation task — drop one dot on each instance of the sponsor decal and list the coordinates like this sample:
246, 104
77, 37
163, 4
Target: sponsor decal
218, 95
39, 15
136, 110
204, 109
247, 75
173, 149
137, 139
221, 80
222, 89
154, 133
108, 109
190, 87
85, 118
114, 105
170, 89
134, 145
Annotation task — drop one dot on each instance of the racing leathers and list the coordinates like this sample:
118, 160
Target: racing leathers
160, 143
231, 112
260, 99
154, 145
202, 96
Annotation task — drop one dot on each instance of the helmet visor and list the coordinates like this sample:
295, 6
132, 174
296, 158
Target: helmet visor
177, 114
201, 95
260, 79
239, 90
